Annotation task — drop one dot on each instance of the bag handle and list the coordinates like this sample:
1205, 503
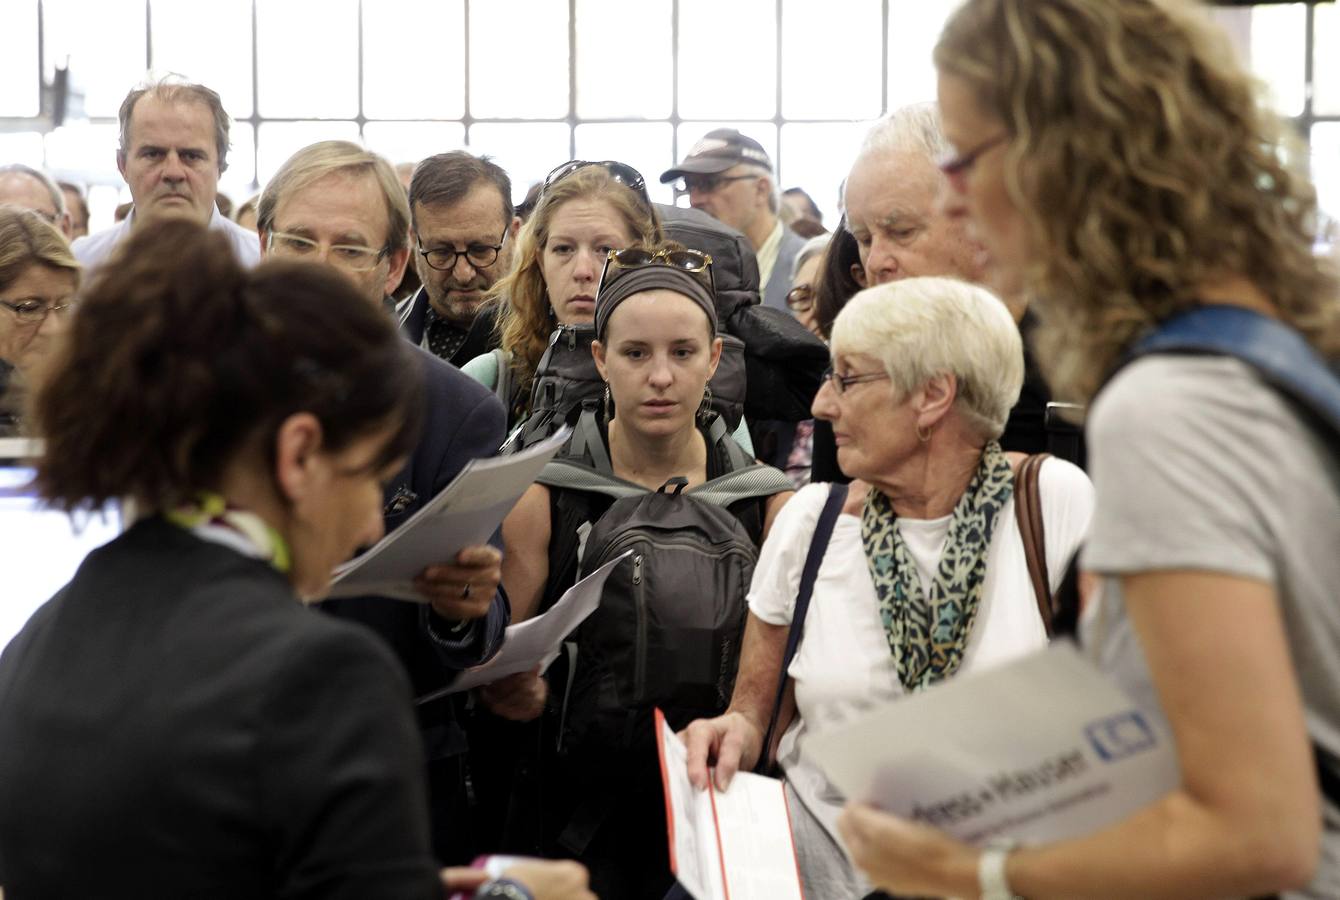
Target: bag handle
1028, 512
823, 533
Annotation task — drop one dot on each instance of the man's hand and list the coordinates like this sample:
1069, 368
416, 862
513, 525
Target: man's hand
463, 591
730, 740
518, 697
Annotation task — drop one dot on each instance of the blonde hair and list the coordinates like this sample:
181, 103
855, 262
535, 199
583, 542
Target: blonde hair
1145, 166
27, 239
316, 161
524, 324
922, 327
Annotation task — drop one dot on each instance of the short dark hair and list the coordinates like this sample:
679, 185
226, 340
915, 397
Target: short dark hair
447, 177
178, 363
809, 201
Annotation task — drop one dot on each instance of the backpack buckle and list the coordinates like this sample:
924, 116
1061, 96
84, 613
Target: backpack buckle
678, 483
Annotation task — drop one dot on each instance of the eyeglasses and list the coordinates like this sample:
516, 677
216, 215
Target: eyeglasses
800, 298
353, 257
691, 261
708, 184
33, 312
955, 167
840, 383
621, 172
480, 256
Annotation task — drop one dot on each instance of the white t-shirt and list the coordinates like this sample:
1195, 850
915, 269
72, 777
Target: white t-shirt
843, 666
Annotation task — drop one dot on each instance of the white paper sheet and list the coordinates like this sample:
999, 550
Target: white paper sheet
536, 642
731, 845
1039, 749
464, 514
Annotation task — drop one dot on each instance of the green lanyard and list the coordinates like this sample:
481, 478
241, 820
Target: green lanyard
210, 517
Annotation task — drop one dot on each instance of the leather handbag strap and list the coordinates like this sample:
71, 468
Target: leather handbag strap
1028, 512
823, 533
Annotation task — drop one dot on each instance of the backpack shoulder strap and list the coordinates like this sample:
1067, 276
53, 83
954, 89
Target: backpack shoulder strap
746, 477
1028, 513
1273, 348
584, 464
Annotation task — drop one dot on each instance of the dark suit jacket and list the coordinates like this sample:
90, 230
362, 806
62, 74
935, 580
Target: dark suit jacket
176, 724
463, 421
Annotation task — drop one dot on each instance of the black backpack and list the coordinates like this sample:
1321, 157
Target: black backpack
783, 361
566, 377
668, 629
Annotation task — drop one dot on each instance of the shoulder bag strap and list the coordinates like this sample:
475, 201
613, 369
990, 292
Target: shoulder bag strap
1028, 512
823, 533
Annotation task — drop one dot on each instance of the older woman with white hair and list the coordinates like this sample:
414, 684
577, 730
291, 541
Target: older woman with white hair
925, 573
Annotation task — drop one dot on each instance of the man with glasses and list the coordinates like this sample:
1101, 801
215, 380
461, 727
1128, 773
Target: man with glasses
30, 188
338, 204
729, 176
462, 231
173, 148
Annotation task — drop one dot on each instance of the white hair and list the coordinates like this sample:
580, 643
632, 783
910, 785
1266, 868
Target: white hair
808, 250
913, 128
922, 327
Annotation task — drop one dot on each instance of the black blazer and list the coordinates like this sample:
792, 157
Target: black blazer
479, 341
176, 724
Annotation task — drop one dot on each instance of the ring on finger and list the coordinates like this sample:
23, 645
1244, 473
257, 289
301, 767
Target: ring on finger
465, 591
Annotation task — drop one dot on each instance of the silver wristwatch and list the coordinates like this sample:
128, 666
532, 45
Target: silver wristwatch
503, 889
991, 881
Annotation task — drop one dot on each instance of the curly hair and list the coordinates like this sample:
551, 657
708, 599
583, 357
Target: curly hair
524, 323
1145, 165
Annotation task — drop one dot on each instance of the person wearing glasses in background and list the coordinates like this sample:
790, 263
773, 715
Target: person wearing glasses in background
729, 176
925, 573
657, 346
38, 278
586, 209
336, 203
33, 189
462, 234
173, 148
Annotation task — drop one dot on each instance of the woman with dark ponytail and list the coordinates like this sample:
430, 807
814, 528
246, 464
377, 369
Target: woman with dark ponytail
175, 723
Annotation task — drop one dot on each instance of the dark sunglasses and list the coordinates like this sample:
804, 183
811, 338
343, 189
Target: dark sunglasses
691, 261
621, 172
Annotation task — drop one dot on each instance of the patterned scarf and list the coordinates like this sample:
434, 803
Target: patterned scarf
927, 634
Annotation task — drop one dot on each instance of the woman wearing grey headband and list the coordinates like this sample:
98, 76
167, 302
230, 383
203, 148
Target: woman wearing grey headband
656, 348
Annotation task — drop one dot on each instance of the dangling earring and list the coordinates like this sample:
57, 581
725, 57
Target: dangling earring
607, 402
924, 438
705, 408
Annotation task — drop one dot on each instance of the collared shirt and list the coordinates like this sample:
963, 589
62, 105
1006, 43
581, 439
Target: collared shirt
767, 254
92, 249
441, 337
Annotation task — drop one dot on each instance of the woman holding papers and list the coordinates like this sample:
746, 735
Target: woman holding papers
1119, 166
925, 575
175, 723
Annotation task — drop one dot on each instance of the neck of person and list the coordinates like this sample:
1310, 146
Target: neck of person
760, 229
1231, 289
929, 485
652, 460
249, 487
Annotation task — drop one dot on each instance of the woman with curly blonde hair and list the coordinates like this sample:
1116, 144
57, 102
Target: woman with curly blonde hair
585, 210
1119, 167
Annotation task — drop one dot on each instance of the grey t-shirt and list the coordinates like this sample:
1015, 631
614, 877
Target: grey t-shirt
1198, 464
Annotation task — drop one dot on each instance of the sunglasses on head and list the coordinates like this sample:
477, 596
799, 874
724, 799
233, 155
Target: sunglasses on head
691, 261
621, 172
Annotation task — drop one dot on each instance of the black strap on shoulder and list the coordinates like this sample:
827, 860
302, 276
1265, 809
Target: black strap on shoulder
823, 533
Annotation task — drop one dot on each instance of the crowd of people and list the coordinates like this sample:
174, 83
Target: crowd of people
269, 393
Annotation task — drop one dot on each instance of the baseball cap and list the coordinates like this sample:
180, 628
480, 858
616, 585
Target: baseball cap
717, 151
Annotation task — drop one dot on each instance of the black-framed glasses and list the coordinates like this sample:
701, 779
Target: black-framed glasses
800, 298
840, 383
692, 261
621, 172
710, 184
354, 257
480, 256
956, 166
33, 312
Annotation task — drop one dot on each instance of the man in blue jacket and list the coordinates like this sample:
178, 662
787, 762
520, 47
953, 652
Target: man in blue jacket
336, 203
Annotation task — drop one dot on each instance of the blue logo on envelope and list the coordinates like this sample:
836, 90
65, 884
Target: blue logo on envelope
1120, 736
